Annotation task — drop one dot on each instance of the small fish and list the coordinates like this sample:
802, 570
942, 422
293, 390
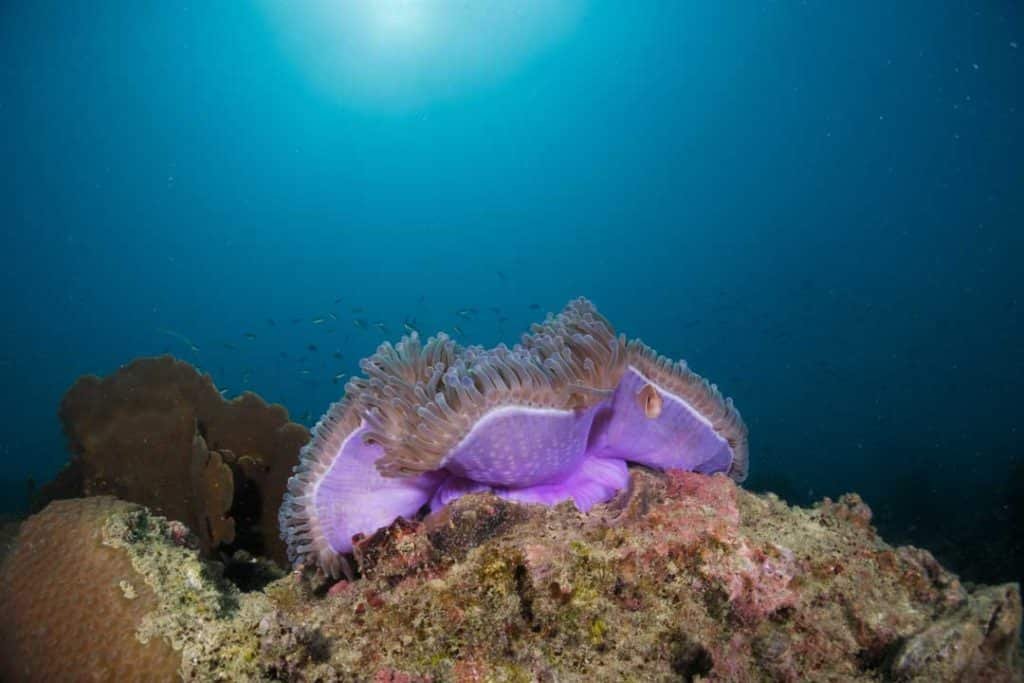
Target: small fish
338, 300
307, 416
332, 316
466, 313
501, 276
458, 330
337, 378
249, 335
224, 392
338, 355
359, 322
179, 336
534, 307
304, 371
381, 326
311, 347
410, 326
229, 347
319, 321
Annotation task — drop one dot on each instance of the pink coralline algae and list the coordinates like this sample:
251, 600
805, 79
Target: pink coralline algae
681, 576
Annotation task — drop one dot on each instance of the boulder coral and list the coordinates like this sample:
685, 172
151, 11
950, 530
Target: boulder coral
158, 433
682, 576
72, 605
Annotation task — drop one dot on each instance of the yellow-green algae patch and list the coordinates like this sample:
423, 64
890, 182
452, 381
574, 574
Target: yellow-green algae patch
203, 616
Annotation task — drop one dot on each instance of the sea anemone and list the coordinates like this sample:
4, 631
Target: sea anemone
554, 418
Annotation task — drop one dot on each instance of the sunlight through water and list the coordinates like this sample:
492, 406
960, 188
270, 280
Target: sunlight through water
401, 53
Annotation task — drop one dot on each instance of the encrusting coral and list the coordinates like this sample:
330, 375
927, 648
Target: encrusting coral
682, 576
157, 432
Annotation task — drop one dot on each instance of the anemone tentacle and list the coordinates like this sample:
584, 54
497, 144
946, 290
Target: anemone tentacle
302, 529
580, 346
402, 378
380, 406
476, 383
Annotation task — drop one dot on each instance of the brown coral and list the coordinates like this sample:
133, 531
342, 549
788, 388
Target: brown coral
71, 605
157, 432
213, 485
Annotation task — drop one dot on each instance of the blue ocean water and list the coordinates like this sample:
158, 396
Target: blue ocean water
817, 204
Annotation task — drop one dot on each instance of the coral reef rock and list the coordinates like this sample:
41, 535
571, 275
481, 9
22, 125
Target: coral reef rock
682, 576
158, 433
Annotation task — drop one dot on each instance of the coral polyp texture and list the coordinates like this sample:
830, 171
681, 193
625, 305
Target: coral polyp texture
72, 605
680, 576
555, 418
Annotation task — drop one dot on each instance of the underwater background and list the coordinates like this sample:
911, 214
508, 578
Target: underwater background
817, 204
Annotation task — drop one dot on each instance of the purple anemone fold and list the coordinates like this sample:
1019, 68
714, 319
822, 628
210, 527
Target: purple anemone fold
352, 497
555, 418
653, 420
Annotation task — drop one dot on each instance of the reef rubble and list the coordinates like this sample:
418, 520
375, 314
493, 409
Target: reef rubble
682, 576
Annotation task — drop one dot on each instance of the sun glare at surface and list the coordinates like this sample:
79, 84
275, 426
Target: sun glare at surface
399, 22
397, 53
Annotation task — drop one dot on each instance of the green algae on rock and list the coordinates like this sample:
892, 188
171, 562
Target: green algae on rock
202, 615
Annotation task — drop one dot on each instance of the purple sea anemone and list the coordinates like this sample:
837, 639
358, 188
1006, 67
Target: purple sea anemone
555, 418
